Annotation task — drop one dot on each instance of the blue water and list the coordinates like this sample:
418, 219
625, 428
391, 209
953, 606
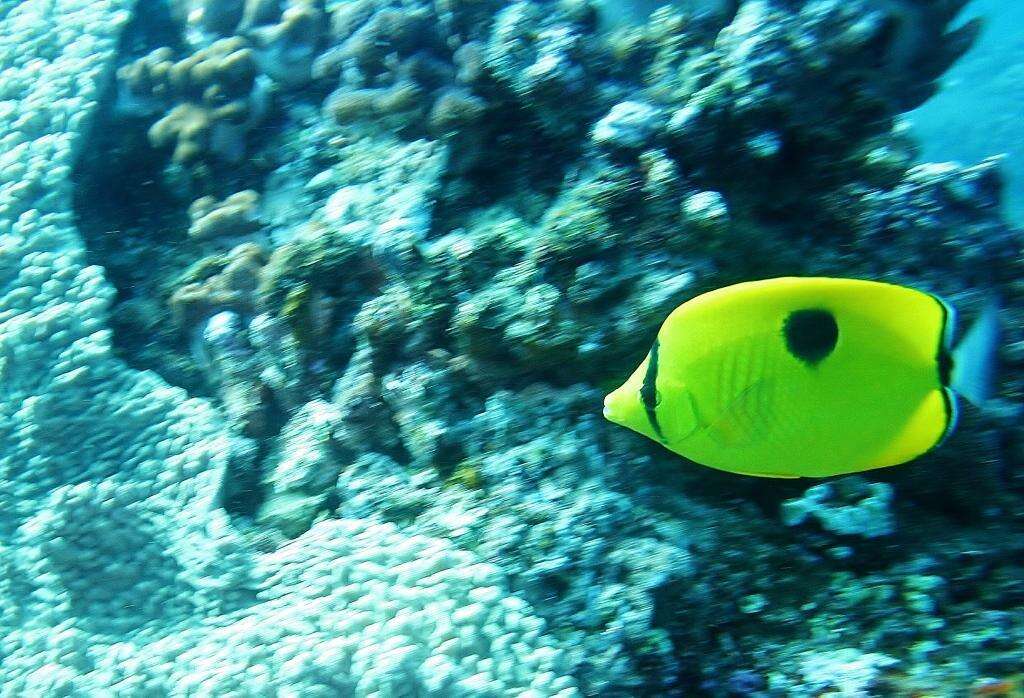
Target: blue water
978, 112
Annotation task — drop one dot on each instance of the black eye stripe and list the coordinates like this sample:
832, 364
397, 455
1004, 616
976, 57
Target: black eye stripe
811, 334
649, 391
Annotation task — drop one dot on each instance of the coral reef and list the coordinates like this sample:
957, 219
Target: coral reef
299, 476
847, 670
398, 64
122, 572
992, 85
365, 456
214, 93
237, 215
218, 283
850, 507
541, 57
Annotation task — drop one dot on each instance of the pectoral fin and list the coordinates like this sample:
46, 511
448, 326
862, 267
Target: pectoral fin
744, 419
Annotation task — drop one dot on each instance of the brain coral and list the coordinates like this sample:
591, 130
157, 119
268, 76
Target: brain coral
120, 574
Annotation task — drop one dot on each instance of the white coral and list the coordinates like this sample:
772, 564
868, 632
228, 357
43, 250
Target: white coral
119, 574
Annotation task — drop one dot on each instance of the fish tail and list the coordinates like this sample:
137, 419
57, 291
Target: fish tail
974, 358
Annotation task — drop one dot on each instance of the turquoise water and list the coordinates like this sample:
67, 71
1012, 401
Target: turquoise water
309, 310
977, 114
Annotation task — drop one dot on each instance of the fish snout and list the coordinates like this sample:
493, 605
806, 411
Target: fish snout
611, 413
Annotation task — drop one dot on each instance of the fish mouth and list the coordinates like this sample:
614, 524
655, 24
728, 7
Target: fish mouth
609, 410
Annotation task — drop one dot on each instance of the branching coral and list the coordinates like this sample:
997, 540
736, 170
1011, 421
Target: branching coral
253, 362
236, 215
285, 35
215, 95
286, 49
221, 283
850, 507
396, 63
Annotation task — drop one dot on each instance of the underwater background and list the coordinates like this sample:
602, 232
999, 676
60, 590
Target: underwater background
978, 111
308, 308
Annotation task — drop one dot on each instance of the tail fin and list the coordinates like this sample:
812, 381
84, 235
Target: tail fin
974, 358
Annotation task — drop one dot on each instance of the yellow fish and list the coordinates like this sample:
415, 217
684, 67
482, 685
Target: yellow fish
806, 377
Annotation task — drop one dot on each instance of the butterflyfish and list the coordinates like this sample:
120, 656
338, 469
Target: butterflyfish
806, 377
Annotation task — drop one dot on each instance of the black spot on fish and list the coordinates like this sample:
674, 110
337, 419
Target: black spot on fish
811, 334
